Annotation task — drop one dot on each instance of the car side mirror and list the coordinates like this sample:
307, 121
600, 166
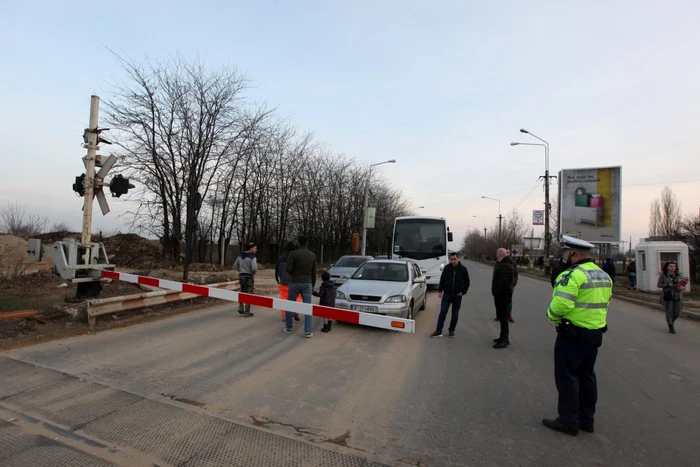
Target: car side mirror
419, 280
332, 264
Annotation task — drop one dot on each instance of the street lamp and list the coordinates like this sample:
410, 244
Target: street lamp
547, 206
499, 215
364, 213
484, 219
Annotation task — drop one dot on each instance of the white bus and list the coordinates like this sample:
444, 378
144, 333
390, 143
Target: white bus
422, 240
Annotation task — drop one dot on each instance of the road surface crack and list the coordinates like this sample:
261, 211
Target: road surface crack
184, 400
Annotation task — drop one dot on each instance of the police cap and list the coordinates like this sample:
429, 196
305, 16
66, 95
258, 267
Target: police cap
571, 243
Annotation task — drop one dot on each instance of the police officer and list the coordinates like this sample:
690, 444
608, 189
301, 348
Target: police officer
579, 308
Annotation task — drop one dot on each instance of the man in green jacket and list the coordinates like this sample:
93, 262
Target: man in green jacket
301, 265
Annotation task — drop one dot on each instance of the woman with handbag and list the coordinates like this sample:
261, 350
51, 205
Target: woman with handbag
672, 286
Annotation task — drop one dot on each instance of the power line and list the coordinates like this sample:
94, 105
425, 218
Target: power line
526, 196
663, 183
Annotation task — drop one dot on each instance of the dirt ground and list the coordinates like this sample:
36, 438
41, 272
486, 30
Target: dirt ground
33, 286
58, 318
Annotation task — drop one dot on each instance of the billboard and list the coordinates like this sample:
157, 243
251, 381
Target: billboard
538, 217
590, 204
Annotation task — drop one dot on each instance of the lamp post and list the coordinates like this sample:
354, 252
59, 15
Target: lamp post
500, 218
364, 211
547, 206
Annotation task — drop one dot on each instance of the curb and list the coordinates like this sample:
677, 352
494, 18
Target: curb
695, 314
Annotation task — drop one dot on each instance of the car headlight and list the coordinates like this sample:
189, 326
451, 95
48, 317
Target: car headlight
396, 299
340, 295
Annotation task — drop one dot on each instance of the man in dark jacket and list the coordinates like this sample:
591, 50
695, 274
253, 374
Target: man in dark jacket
502, 290
301, 265
454, 283
610, 268
283, 278
557, 270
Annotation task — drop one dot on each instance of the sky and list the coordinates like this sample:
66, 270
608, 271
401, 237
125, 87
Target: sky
443, 87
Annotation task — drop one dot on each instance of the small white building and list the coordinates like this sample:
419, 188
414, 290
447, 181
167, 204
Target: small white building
652, 255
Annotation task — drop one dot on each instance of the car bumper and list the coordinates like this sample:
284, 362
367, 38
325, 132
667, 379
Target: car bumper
390, 309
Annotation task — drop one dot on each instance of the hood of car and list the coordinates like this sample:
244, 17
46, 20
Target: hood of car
382, 289
341, 271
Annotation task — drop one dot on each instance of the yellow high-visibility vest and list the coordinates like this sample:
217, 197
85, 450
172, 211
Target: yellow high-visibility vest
581, 294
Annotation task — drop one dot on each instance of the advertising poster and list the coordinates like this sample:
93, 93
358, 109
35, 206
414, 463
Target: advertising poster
590, 204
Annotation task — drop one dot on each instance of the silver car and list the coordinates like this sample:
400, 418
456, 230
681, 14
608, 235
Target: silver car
386, 287
345, 267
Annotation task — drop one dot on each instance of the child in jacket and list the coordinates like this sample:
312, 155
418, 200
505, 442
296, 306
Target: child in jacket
327, 295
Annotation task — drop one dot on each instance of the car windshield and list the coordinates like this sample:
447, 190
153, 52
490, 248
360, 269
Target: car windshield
379, 271
350, 261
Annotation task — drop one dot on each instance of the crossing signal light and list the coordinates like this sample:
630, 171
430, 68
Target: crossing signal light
79, 186
119, 185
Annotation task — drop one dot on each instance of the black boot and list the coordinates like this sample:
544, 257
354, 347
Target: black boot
325, 328
671, 329
557, 426
330, 325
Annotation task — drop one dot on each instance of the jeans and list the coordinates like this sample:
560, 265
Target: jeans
633, 280
447, 300
305, 290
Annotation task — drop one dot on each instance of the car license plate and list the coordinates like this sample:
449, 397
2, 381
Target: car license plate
340, 281
364, 308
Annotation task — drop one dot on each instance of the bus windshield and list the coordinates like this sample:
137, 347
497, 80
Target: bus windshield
420, 238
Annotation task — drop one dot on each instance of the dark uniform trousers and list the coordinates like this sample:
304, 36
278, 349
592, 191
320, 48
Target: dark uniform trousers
574, 362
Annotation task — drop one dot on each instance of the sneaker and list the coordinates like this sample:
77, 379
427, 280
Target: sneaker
248, 315
309, 334
510, 318
498, 339
452, 334
296, 316
436, 334
500, 345
287, 330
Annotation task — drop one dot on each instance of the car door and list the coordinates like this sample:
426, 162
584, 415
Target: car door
418, 287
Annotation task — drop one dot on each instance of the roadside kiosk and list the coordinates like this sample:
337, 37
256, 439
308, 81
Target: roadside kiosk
652, 255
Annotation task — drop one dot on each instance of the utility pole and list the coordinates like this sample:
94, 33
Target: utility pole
547, 204
365, 205
500, 218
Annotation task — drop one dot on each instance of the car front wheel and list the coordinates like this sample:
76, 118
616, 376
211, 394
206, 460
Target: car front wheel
409, 314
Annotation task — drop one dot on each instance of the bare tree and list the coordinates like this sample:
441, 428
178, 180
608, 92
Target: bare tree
177, 123
14, 220
214, 170
665, 216
691, 236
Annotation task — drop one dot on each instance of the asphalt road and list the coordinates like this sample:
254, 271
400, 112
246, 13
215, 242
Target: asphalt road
408, 399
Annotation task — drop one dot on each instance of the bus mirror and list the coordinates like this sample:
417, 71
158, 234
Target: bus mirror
449, 236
